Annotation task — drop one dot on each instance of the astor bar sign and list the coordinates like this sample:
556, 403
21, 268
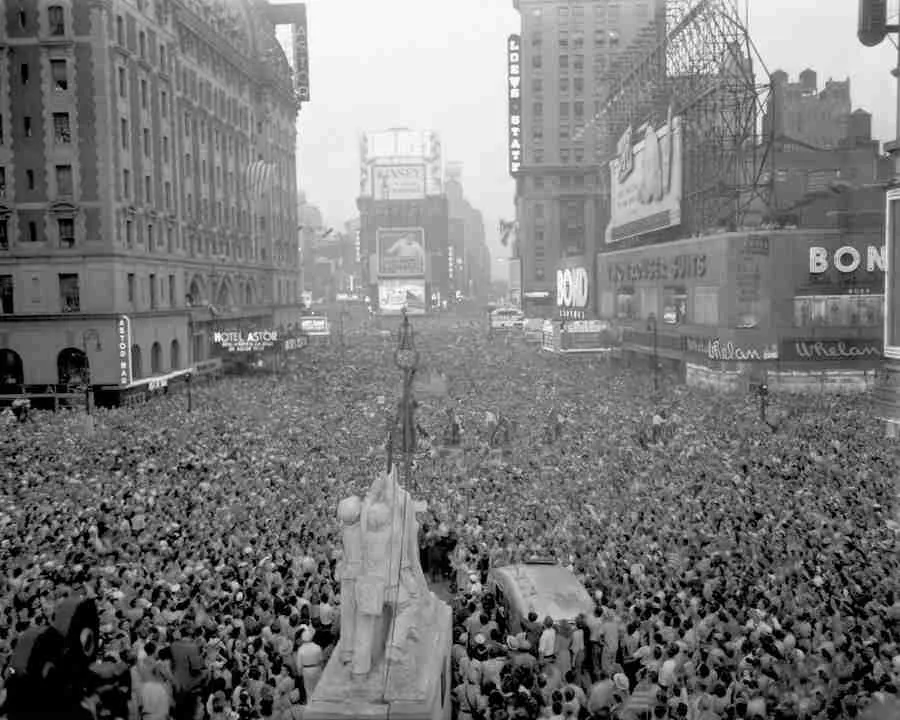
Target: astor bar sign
514, 93
237, 341
822, 350
123, 347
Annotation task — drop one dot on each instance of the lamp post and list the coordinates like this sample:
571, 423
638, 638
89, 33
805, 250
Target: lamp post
653, 327
85, 336
763, 400
403, 433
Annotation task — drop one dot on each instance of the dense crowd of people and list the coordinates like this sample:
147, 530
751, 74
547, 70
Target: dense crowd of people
738, 571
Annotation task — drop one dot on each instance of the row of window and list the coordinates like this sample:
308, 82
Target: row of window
56, 20
156, 286
69, 293
680, 305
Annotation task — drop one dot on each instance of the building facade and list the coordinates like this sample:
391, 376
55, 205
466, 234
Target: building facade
468, 259
801, 111
147, 172
567, 52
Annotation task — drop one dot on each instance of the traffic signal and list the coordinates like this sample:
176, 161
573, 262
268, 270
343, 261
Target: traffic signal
872, 27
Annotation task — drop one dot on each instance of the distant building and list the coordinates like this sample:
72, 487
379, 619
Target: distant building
568, 54
147, 172
468, 259
822, 118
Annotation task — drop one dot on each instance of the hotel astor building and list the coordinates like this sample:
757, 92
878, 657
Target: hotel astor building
147, 184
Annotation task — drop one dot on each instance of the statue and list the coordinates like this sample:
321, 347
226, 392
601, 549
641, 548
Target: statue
381, 572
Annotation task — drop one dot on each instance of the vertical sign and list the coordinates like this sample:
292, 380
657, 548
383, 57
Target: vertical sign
123, 347
301, 55
514, 92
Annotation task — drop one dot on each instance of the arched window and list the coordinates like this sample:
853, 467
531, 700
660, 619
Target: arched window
11, 369
223, 298
175, 355
195, 292
137, 367
248, 294
72, 367
155, 358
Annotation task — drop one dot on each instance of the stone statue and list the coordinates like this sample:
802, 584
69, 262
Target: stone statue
387, 577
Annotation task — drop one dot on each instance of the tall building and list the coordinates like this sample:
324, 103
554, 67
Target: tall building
147, 183
801, 111
468, 259
567, 52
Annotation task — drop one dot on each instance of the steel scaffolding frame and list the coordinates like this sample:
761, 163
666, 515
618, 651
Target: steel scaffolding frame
705, 65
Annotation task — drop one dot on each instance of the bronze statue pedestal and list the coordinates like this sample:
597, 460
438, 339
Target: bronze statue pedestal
416, 687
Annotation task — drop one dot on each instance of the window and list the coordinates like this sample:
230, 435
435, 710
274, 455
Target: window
23, 19
129, 233
579, 157
539, 179
62, 132
579, 109
57, 18
675, 305
59, 75
142, 44
536, 62
563, 39
562, 13
6, 295
578, 85
120, 30
4, 233
578, 41
152, 291
168, 192
123, 82
187, 124
69, 292
538, 109
165, 148
564, 134
2, 183
126, 183
564, 110
147, 189
171, 291
23, 73
32, 232
64, 180
564, 85
29, 179
839, 311
164, 104
538, 158
162, 57
539, 211
579, 63
1, 129
537, 85
564, 156
66, 230
563, 62
26, 123
188, 165
131, 287
144, 94
537, 133
706, 305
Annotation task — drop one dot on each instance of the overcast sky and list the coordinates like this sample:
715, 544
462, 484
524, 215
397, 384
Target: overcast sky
440, 64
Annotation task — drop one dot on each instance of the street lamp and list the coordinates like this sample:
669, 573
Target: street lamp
653, 327
85, 336
763, 392
403, 432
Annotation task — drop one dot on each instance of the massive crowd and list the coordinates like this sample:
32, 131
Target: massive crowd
739, 571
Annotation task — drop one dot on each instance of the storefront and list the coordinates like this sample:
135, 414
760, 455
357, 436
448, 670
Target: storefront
800, 309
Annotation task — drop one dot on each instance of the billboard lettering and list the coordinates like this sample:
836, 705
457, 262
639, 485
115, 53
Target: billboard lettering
401, 251
238, 341
398, 182
646, 181
820, 350
572, 288
514, 93
679, 267
846, 259
123, 348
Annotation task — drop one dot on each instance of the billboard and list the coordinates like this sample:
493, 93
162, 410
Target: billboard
301, 56
401, 251
398, 182
514, 94
237, 341
646, 181
396, 294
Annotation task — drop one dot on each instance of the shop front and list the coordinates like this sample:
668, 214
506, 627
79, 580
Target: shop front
797, 309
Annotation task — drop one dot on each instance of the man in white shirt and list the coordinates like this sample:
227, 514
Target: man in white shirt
547, 642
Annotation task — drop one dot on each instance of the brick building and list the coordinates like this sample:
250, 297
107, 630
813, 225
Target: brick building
147, 170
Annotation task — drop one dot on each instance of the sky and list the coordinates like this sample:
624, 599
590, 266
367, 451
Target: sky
441, 65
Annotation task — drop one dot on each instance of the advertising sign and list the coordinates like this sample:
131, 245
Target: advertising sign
846, 259
315, 326
237, 341
814, 349
398, 182
646, 182
679, 267
123, 347
395, 294
716, 349
301, 56
514, 94
401, 251
572, 292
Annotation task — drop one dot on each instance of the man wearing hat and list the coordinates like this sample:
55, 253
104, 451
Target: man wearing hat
520, 652
309, 660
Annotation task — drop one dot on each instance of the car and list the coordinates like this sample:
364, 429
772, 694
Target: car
507, 319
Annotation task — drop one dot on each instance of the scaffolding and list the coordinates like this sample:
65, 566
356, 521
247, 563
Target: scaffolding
700, 61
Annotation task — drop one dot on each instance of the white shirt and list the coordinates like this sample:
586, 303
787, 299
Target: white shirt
547, 643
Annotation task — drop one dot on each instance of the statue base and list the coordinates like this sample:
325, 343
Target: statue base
416, 686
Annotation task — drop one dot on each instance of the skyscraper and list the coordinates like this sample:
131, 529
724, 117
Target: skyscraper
568, 52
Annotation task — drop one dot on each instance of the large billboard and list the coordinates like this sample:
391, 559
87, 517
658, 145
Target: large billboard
395, 294
401, 251
514, 94
646, 181
398, 182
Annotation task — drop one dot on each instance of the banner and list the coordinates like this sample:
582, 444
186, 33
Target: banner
401, 251
123, 347
398, 182
394, 295
646, 182
514, 94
